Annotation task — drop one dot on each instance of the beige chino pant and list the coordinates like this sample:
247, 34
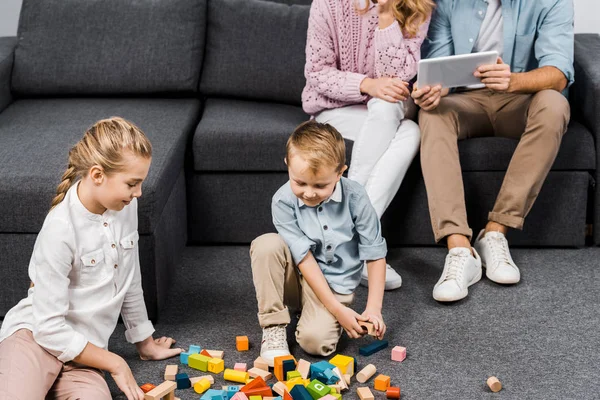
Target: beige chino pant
29, 372
538, 121
278, 284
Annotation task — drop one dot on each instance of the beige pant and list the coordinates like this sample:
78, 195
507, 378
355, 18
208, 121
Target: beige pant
29, 372
537, 120
278, 283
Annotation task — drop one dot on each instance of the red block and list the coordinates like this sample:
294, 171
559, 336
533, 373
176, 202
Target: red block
392, 392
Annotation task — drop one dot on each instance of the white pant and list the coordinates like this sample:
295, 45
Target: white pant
385, 143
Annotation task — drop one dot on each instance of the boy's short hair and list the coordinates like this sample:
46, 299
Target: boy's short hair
320, 145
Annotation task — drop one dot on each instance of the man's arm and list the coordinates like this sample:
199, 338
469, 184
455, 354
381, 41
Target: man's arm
537, 80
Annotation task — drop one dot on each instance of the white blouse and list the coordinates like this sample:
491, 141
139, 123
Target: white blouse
86, 270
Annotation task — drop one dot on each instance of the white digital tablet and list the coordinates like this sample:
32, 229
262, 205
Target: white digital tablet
454, 71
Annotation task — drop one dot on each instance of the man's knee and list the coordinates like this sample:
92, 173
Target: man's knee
552, 109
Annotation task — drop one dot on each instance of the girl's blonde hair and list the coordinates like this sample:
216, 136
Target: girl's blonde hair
410, 14
102, 145
320, 145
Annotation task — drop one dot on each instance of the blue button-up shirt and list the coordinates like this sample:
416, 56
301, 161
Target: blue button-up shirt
341, 232
537, 33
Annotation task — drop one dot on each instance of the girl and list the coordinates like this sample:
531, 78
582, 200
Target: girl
359, 59
84, 272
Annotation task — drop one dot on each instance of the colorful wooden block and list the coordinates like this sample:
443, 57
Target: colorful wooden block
255, 383
261, 391
317, 389
199, 378
146, 387
205, 353
235, 376
344, 363
240, 367
201, 386
212, 394
183, 381
299, 392
255, 398
199, 362
293, 374
393, 392
183, 357
304, 368
347, 379
293, 382
398, 353
368, 328
216, 365
323, 371
287, 366
341, 382
255, 372
364, 393
336, 396
216, 353
328, 397
381, 382
494, 384
280, 388
194, 349
242, 343
239, 396
278, 366
374, 347
366, 373
231, 390
261, 364
171, 372
165, 391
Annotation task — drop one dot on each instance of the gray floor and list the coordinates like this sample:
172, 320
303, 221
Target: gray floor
540, 338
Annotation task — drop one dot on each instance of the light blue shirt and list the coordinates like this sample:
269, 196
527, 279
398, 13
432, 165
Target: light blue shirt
341, 232
537, 33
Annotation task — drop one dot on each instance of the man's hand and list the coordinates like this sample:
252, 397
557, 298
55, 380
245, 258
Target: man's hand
157, 349
391, 90
496, 77
427, 97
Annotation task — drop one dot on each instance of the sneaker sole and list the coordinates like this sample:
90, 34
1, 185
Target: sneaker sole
499, 281
462, 294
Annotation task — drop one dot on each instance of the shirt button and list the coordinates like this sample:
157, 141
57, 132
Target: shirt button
470, 40
116, 265
328, 261
328, 247
113, 245
320, 209
480, 12
106, 224
325, 227
93, 261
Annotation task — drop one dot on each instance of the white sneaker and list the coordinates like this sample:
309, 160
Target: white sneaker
393, 280
274, 343
461, 270
495, 258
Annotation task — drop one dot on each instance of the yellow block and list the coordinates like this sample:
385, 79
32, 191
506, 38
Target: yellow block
216, 365
344, 363
235, 376
201, 386
293, 382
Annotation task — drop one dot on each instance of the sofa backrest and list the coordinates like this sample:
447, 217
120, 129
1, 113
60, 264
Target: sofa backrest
255, 49
99, 47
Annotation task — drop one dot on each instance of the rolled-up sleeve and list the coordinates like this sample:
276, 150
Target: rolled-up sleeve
371, 244
554, 45
439, 41
50, 266
286, 223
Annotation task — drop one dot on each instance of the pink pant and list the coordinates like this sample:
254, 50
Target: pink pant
27, 372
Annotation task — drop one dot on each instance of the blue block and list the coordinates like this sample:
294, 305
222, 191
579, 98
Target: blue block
299, 392
212, 394
231, 391
317, 371
183, 358
356, 369
183, 381
194, 349
374, 347
332, 378
288, 365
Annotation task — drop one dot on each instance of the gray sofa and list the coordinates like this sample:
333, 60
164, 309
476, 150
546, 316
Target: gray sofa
216, 86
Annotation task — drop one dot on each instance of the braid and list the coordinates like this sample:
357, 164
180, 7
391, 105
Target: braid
66, 182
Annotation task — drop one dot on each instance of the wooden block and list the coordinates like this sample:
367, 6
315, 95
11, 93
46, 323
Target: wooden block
374, 347
494, 384
146, 387
183, 381
304, 368
368, 328
255, 398
293, 374
279, 388
381, 383
199, 362
293, 382
242, 343
341, 383
261, 364
365, 394
299, 392
165, 390
239, 396
335, 388
183, 358
194, 349
240, 367
235, 376
216, 365
215, 353
254, 372
202, 386
257, 382
398, 353
278, 366
347, 379
328, 397
392, 392
205, 353
366, 373
317, 389
261, 391
344, 363
171, 372
199, 378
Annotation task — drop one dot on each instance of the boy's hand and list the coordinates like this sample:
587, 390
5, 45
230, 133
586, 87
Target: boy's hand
349, 318
157, 349
126, 382
374, 316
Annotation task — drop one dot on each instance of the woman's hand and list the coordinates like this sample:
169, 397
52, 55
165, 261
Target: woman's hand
391, 90
157, 349
348, 319
375, 317
126, 382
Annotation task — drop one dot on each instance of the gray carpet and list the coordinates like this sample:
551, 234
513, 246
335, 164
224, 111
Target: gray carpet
540, 337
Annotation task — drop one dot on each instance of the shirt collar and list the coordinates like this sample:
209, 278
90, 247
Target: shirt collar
75, 202
335, 196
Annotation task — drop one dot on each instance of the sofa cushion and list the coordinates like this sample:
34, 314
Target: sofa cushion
255, 49
109, 46
36, 135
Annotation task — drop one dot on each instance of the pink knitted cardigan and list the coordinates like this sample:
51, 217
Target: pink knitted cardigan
343, 47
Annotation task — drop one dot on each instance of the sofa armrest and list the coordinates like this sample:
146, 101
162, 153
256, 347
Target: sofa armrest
7, 55
585, 103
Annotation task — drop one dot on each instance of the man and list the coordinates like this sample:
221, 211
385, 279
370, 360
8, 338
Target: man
521, 99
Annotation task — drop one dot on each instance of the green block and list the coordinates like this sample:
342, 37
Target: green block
198, 361
293, 374
318, 389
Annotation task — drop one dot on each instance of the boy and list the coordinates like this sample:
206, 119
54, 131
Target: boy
327, 228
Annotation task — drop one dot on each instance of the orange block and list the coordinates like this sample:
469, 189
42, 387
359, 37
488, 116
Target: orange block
278, 366
382, 383
258, 382
146, 387
242, 343
205, 353
392, 392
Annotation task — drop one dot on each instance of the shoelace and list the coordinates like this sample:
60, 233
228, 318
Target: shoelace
455, 267
274, 337
499, 248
